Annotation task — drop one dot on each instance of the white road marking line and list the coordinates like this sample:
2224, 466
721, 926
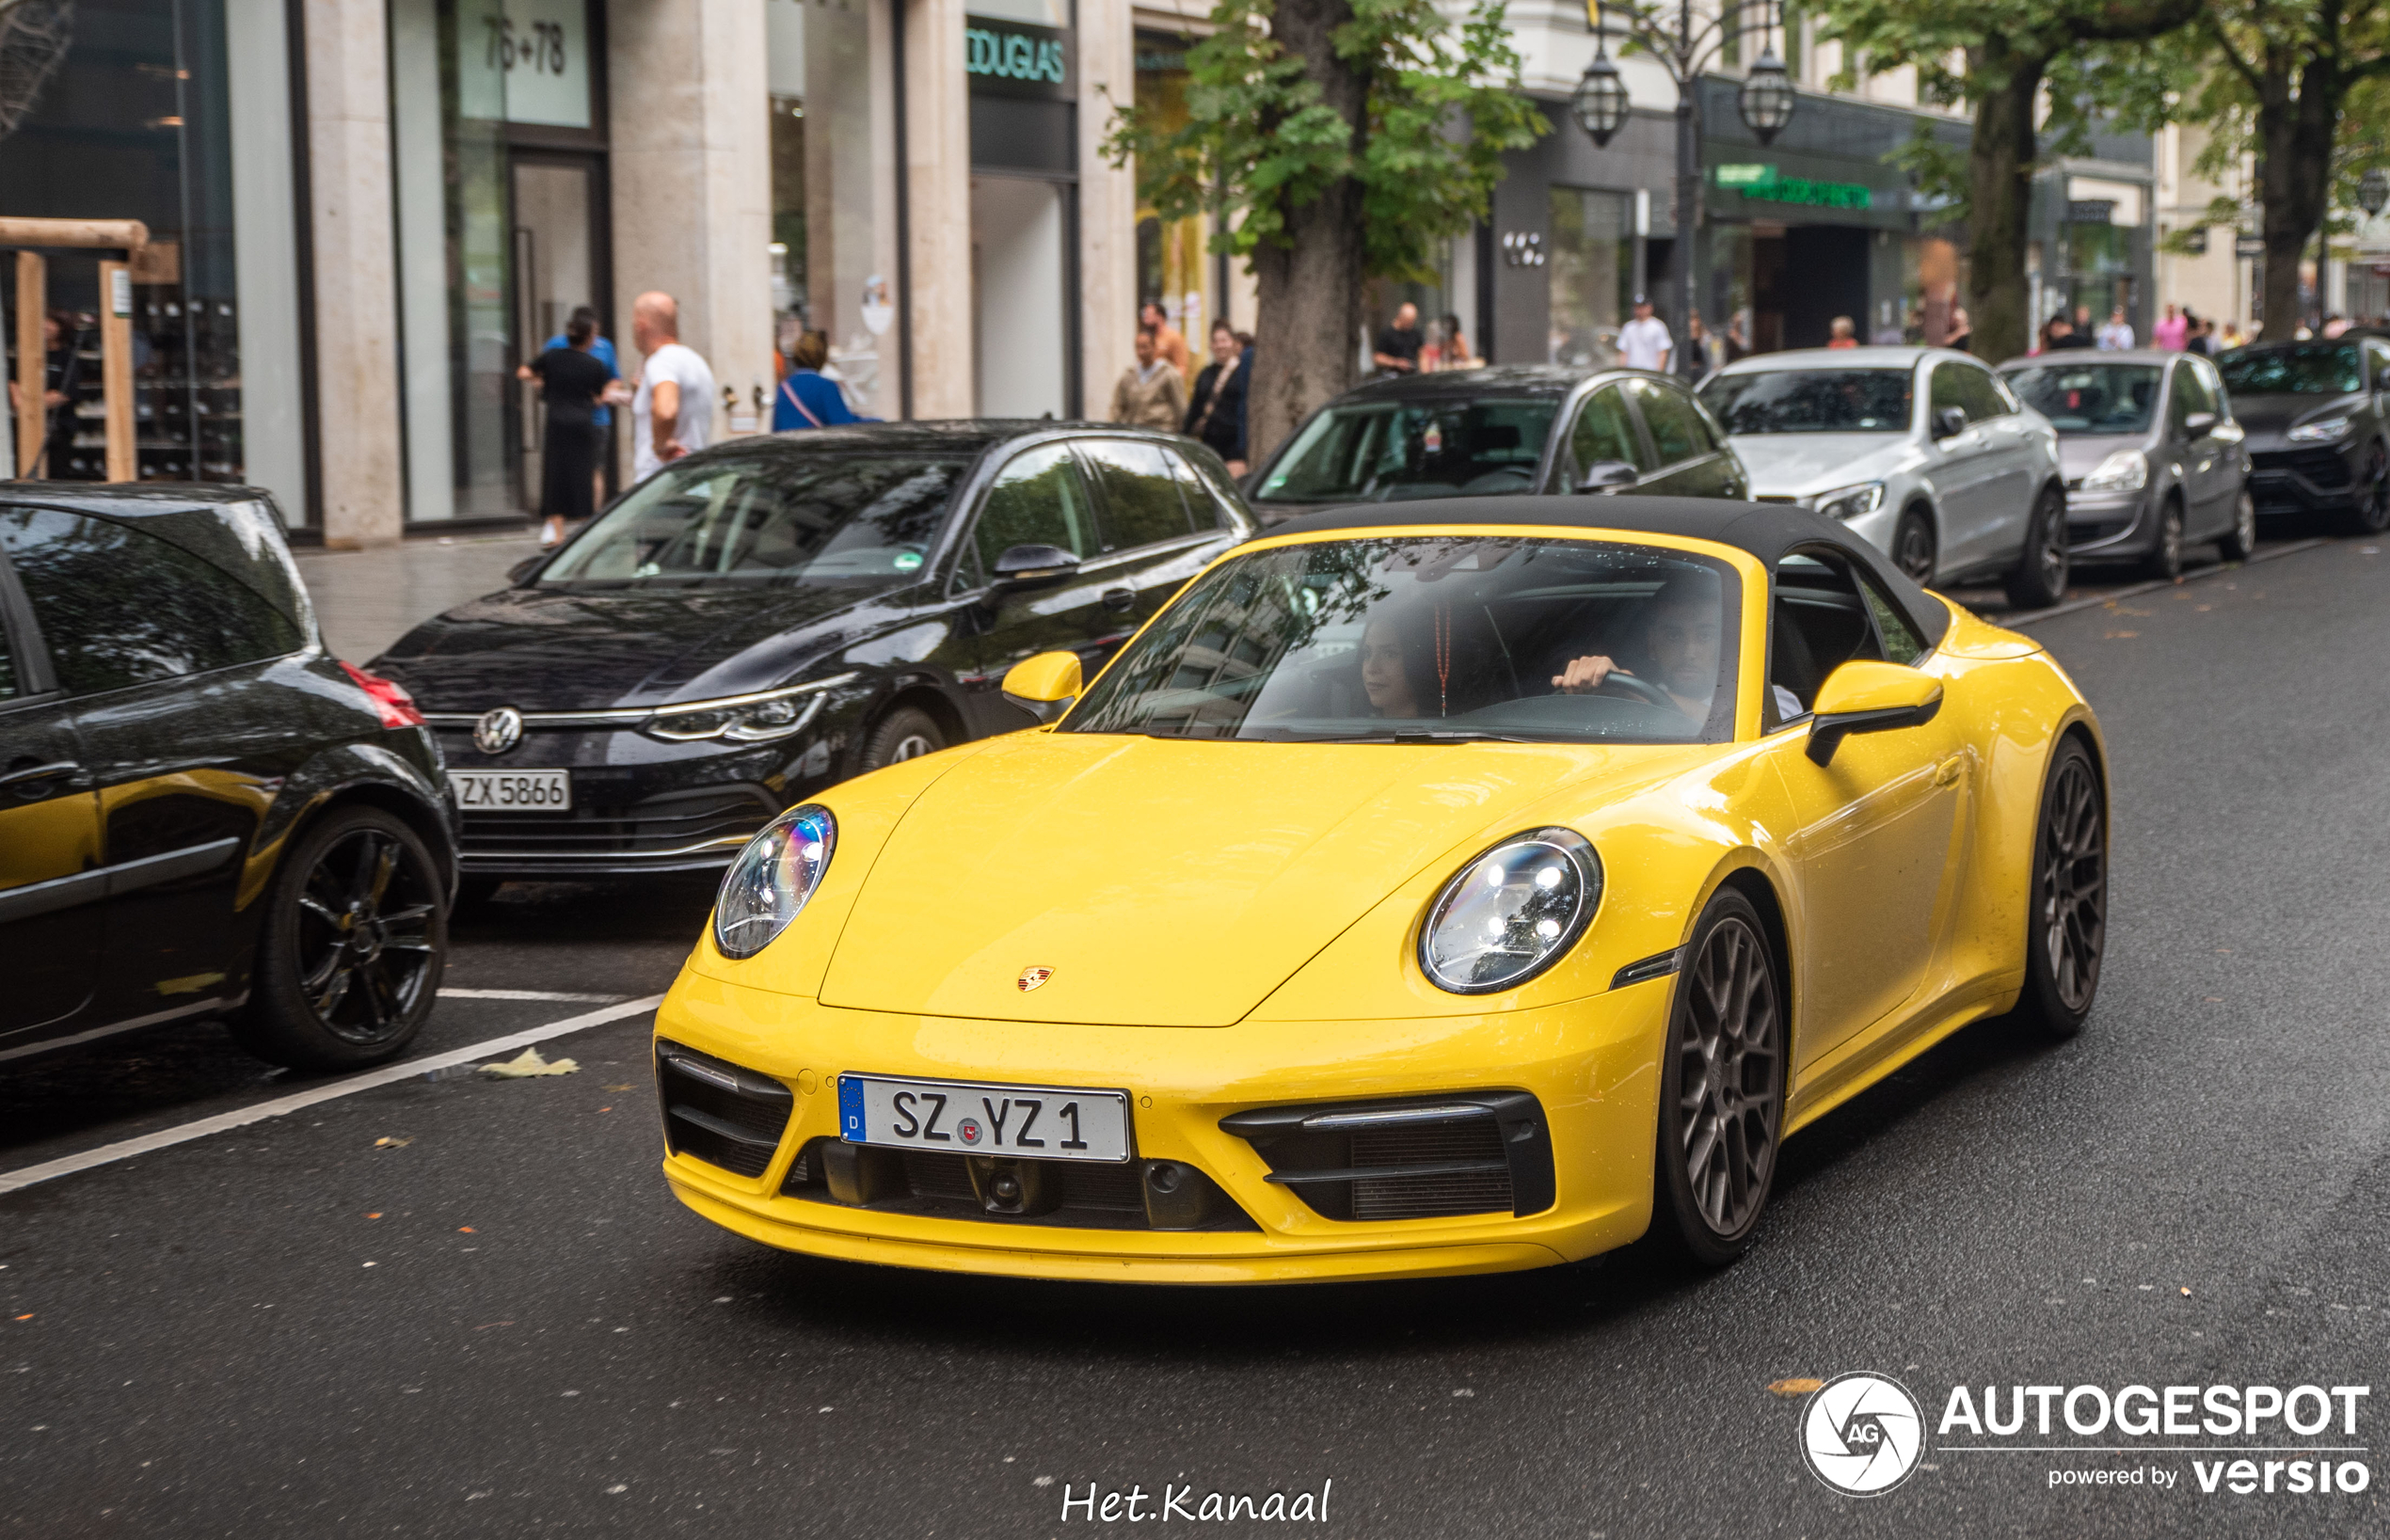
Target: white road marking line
388, 1074
561, 997
2191, 576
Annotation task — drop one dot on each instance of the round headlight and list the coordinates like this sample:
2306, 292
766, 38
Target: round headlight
772, 877
1511, 913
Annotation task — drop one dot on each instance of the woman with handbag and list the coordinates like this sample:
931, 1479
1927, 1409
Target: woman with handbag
1216, 412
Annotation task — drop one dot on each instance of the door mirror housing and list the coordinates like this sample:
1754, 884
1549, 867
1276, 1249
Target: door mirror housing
523, 572
2198, 424
1044, 686
1024, 567
1607, 476
1949, 421
1867, 696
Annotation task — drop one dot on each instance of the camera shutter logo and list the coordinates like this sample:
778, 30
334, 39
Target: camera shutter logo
498, 731
1862, 1433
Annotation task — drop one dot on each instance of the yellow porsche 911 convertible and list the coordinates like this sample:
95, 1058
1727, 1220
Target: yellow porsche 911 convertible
1436, 888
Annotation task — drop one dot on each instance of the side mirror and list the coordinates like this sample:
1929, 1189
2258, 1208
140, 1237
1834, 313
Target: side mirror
524, 570
1023, 567
1607, 476
1865, 696
1949, 421
1044, 686
2199, 423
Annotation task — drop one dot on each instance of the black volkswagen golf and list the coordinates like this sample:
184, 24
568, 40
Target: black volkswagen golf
769, 617
200, 813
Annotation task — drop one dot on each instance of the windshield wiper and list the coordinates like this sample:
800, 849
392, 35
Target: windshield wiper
1425, 735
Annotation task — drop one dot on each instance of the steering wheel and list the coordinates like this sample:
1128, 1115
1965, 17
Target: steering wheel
1636, 688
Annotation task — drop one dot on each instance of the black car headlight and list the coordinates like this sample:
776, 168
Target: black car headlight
1511, 913
769, 883
764, 717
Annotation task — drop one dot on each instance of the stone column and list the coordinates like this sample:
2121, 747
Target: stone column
937, 149
1107, 207
690, 126
348, 147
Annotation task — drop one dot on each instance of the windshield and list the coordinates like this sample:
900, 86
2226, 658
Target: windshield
2089, 398
861, 520
1386, 451
1435, 639
2319, 371
1812, 401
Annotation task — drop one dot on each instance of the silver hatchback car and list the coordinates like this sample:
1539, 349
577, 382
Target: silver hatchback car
1923, 451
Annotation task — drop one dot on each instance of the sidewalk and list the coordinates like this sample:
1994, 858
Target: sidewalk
368, 600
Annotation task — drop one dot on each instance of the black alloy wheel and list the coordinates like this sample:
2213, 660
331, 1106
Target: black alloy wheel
2067, 919
2240, 542
1722, 1084
906, 733
2166, 556
2039, 580
2371, 514
356, 938
1913, 547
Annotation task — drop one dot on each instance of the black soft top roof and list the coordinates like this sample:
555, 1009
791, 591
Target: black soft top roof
1769, 531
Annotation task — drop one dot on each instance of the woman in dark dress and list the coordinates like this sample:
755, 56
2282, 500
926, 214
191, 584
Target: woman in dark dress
1216, 411
572, 378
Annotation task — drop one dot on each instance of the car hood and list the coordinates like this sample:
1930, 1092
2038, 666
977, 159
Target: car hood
2268, 419
2079, 454
1167, 882
1794, 465
547, 649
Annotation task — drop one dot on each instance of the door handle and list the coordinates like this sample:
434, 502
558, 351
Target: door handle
1120, 600
1948, 772
26, 781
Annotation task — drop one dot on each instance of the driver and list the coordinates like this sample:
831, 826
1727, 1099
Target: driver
1681, 635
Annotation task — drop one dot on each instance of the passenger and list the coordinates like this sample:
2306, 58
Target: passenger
1386, 670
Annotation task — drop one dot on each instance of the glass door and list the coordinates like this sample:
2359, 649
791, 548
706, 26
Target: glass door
556, 272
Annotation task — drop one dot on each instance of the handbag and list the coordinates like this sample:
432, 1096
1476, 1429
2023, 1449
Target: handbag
1227, 372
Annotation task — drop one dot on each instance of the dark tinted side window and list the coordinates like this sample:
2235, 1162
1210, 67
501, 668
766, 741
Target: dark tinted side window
119, 606
1205, 507
2190, 395
1141, 499
1678, 432
1603, 431
1038, 500
8, 691
1969, 388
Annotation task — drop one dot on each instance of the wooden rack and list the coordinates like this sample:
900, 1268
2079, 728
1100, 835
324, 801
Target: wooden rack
123, 239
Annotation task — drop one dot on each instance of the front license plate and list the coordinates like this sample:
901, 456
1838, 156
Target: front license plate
513, 791
958, 1117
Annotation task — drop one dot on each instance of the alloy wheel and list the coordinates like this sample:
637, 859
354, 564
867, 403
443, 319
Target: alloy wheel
365, 952
911, 746
2073, 887
2244, 527
1914, 551
2051, 551
1730, 1059
2375, 516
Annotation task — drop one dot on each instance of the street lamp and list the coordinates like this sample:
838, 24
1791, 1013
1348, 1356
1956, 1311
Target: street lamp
2373, 191
1685, 47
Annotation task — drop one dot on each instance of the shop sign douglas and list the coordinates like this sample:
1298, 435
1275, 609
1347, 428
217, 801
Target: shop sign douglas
1015, 58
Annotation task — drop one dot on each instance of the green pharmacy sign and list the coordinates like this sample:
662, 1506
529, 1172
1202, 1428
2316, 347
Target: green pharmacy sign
1767, 182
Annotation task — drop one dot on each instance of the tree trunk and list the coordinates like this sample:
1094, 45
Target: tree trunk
1999, 185
2294, 182
1308, 291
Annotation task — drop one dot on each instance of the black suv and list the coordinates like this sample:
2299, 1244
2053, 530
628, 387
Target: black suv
200, 813
2317, 416
773, 614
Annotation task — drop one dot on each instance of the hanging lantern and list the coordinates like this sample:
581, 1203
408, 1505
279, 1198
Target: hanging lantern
1600, 104
1766, 99
2374, 191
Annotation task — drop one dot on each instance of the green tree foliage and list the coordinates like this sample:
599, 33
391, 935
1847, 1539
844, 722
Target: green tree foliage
1996, 56
1340, 139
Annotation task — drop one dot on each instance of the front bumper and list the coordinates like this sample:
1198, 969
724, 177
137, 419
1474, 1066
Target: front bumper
1592, 1067
2108, 523
2310, 478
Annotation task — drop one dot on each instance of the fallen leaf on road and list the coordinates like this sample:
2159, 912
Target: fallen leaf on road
2186, 1293
605, 1109
618, 1087
27, 1316
463, 1230
527, 1064
386, 1142
2113, 635
373, 1216
1793, 1386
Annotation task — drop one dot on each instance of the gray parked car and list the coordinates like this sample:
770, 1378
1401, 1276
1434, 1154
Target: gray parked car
1923, 451
2153, 460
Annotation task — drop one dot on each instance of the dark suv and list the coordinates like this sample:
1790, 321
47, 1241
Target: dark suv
200, 813
2317, 416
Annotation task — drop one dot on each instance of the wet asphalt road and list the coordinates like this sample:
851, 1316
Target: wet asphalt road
504, 1326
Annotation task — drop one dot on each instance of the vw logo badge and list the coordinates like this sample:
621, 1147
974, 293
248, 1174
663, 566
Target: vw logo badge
1031, 977
498, 731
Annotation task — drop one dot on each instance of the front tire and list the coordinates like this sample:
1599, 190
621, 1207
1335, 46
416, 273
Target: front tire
2166, 556
2039, 580
2066, 925
1913, 549
2240, 542
2371, 514
906, 733
1721, 1085
356, 938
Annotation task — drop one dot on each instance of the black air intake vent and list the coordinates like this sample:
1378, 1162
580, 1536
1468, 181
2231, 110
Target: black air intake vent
1417, 1158
1085, 1194
719, 1113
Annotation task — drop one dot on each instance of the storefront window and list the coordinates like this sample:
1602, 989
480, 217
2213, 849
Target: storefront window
2099, 262
154, 106
1023, 82
1171, 258
833, 227
1592, 261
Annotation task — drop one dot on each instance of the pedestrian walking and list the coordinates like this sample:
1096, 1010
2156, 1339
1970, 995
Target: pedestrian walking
61, 369
571, 379
673, 413
1169, 343
602, 349
1457, 354
1700, 348
1962, 332
808, 398
1644, 342
2116, 336
2064, 334
1737, 345
1151, 394
2172, 330
1398, 346
1216, 412
1841, 332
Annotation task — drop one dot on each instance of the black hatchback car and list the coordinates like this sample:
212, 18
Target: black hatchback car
2317, 417
774, 614
1502, 431
200, 813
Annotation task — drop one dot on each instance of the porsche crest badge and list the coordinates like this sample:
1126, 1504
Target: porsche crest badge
1031, 977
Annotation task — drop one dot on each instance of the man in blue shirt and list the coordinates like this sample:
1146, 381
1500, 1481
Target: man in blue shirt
808, 398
